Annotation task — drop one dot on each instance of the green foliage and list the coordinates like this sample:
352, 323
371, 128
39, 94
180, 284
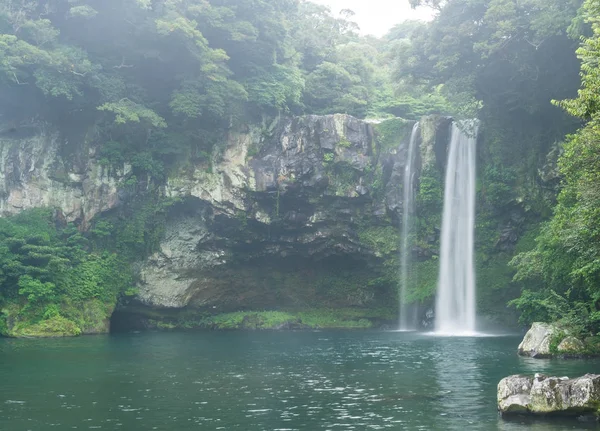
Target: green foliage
499, 182
429, 206
390, 133
344, 143
342, 176
135, 231
82, 11
383, 240
56, 326
315, 318
422, 280
487, 54
36, 290
198, 67
563, 270
331, 88
47, 271
127, 111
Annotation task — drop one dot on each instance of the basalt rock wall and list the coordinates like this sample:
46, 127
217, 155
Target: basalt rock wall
302, 212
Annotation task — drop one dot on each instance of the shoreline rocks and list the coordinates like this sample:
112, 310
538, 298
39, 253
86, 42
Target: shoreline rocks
536, 342
541, 395
546, 340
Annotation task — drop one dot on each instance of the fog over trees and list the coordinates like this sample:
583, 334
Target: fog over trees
162, 82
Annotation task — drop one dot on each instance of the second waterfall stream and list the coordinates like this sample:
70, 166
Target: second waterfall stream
407, 313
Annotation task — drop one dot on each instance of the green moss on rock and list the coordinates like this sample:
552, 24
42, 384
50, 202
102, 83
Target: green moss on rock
383, 240
390, 133
57, 326
307, 319
68, 318
318, 318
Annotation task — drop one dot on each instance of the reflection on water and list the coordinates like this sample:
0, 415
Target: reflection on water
456, 363
265, 381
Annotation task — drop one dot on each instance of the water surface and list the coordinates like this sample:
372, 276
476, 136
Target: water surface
265, 381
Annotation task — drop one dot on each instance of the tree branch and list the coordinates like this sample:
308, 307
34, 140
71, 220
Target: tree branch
536, 46
123, 65
17, 80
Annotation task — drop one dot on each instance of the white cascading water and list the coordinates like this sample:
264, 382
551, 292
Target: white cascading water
455, 303
407, 316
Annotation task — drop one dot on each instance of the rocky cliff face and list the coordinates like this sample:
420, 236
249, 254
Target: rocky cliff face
34, 173
303, 212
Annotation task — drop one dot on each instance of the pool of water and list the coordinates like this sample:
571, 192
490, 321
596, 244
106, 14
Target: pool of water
265, 381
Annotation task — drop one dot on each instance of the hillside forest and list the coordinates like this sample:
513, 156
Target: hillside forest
162, 82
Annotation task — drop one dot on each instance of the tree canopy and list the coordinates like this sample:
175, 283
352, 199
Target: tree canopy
563, 271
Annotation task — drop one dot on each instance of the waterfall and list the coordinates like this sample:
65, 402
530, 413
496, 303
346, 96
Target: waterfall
407, 315
455, 304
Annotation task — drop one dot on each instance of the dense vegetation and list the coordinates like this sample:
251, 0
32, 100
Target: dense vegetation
157, 84
53, 279
163, 80
563, 271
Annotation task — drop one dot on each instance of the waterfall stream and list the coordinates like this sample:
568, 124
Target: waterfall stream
407, 314
455, 303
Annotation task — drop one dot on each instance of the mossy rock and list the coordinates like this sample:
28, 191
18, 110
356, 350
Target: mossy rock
95, 317
571, 345
267, 320
66, 319
56, 326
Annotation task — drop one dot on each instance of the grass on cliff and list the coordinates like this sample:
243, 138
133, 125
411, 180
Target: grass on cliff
307, 319
314, 319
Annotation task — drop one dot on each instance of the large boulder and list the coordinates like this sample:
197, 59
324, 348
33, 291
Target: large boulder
514, 394
536, 342
542, 395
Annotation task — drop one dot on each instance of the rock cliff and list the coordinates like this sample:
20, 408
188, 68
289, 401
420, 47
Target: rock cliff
35, 172
301, 212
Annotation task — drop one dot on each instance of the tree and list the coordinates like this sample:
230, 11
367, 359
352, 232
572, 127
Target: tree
565, 282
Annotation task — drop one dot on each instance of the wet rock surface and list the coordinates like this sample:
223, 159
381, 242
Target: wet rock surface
536, 342
543, 395
300, 212
304, 194
546, 340
33, 173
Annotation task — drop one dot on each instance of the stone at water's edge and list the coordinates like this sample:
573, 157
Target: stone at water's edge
571, 345
541, 336
513, 394
542, 395
536, 342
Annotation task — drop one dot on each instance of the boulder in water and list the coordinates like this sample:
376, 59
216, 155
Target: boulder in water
542, 395
536, 342
514, 394
545, 340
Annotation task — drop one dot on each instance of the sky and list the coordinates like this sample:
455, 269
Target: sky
377, 16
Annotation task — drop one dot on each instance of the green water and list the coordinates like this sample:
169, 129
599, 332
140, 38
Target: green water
264, 381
